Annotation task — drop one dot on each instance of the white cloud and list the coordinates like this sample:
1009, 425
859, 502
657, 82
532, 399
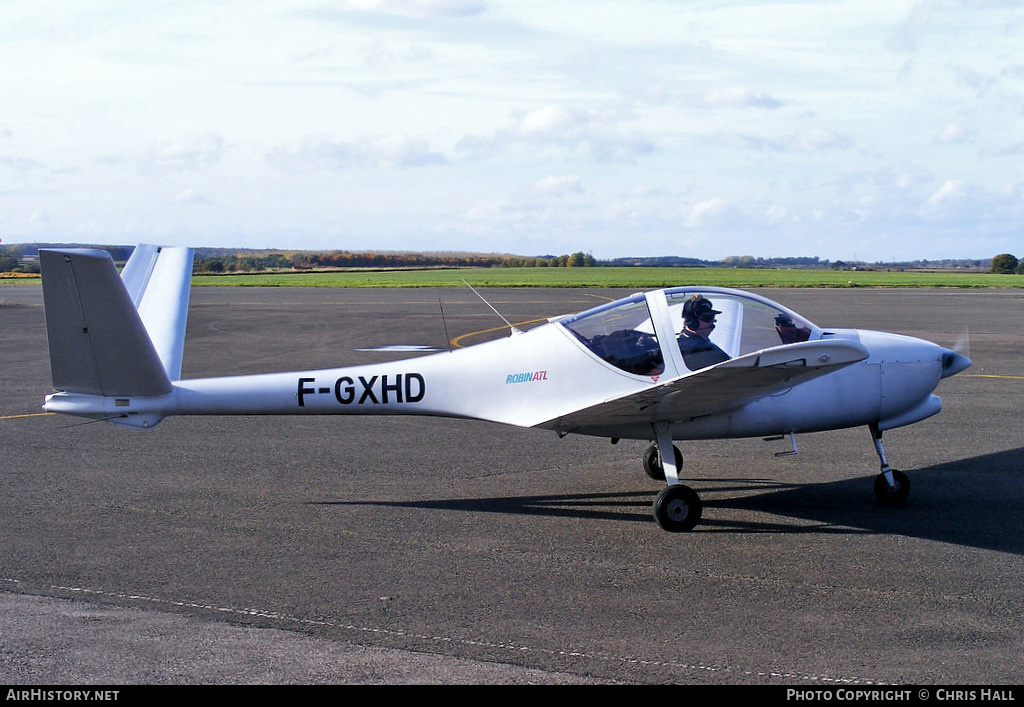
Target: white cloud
952, 133
775, 214
191, 196
381, 54
560, 185
736, 97
313, 154
568, 131
1010, 150
416, 8
20, 164
905, 37
816, 140
185, 152
550, 123
702, 211
951, 191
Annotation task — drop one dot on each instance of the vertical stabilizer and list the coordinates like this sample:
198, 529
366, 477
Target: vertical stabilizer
98, 325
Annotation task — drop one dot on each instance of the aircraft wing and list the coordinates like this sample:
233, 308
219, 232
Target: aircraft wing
726, 386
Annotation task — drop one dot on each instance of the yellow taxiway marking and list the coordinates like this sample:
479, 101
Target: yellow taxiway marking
34, 414
989, 375
457, 341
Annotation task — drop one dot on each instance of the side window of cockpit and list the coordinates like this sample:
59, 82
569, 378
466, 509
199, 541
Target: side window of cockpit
621, 335
765, 327
789, 331
631, 350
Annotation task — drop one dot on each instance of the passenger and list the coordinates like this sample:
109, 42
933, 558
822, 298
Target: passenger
632, 351
698, 323
788, 331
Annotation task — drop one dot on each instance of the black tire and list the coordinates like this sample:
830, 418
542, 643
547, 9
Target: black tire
892, 496
652, 462
678, 508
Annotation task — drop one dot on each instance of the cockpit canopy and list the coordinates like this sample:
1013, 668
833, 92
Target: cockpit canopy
708, 325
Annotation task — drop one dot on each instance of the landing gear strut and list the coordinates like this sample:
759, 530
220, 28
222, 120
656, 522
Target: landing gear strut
891, 486
678, 507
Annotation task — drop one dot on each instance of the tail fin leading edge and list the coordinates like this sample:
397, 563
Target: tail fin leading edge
162, 300
115, 337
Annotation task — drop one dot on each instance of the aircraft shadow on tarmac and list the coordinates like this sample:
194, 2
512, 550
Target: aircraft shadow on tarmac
976, 502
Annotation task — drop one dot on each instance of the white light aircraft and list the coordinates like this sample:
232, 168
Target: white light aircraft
682, 363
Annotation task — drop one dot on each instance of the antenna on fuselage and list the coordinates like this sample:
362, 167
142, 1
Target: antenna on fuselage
512, 328
447, 338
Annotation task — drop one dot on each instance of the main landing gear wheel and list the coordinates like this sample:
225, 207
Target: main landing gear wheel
892, 495
652, 462
677, 508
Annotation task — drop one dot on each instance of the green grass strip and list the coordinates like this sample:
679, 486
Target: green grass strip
614, 277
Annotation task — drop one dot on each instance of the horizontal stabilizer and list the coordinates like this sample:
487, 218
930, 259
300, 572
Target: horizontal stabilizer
98, 342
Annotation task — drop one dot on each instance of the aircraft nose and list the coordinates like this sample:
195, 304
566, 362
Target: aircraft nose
953, 362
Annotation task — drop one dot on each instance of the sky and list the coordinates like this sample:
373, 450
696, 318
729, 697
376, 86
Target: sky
873, 130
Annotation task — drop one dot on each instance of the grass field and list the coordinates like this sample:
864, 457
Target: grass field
614, 277
639, 278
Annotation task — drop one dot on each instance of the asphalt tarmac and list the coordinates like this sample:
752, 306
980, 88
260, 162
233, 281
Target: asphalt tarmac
387, 550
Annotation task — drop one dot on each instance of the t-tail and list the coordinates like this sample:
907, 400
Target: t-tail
115, 336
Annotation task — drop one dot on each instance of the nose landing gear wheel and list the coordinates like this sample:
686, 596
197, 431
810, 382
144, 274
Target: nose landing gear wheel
892, 495
677, 508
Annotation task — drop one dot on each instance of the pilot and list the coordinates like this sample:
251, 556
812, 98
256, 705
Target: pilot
698, 323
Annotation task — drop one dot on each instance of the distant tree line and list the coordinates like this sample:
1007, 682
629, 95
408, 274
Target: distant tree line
24, 259
224, 262
310, 260
13, 261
